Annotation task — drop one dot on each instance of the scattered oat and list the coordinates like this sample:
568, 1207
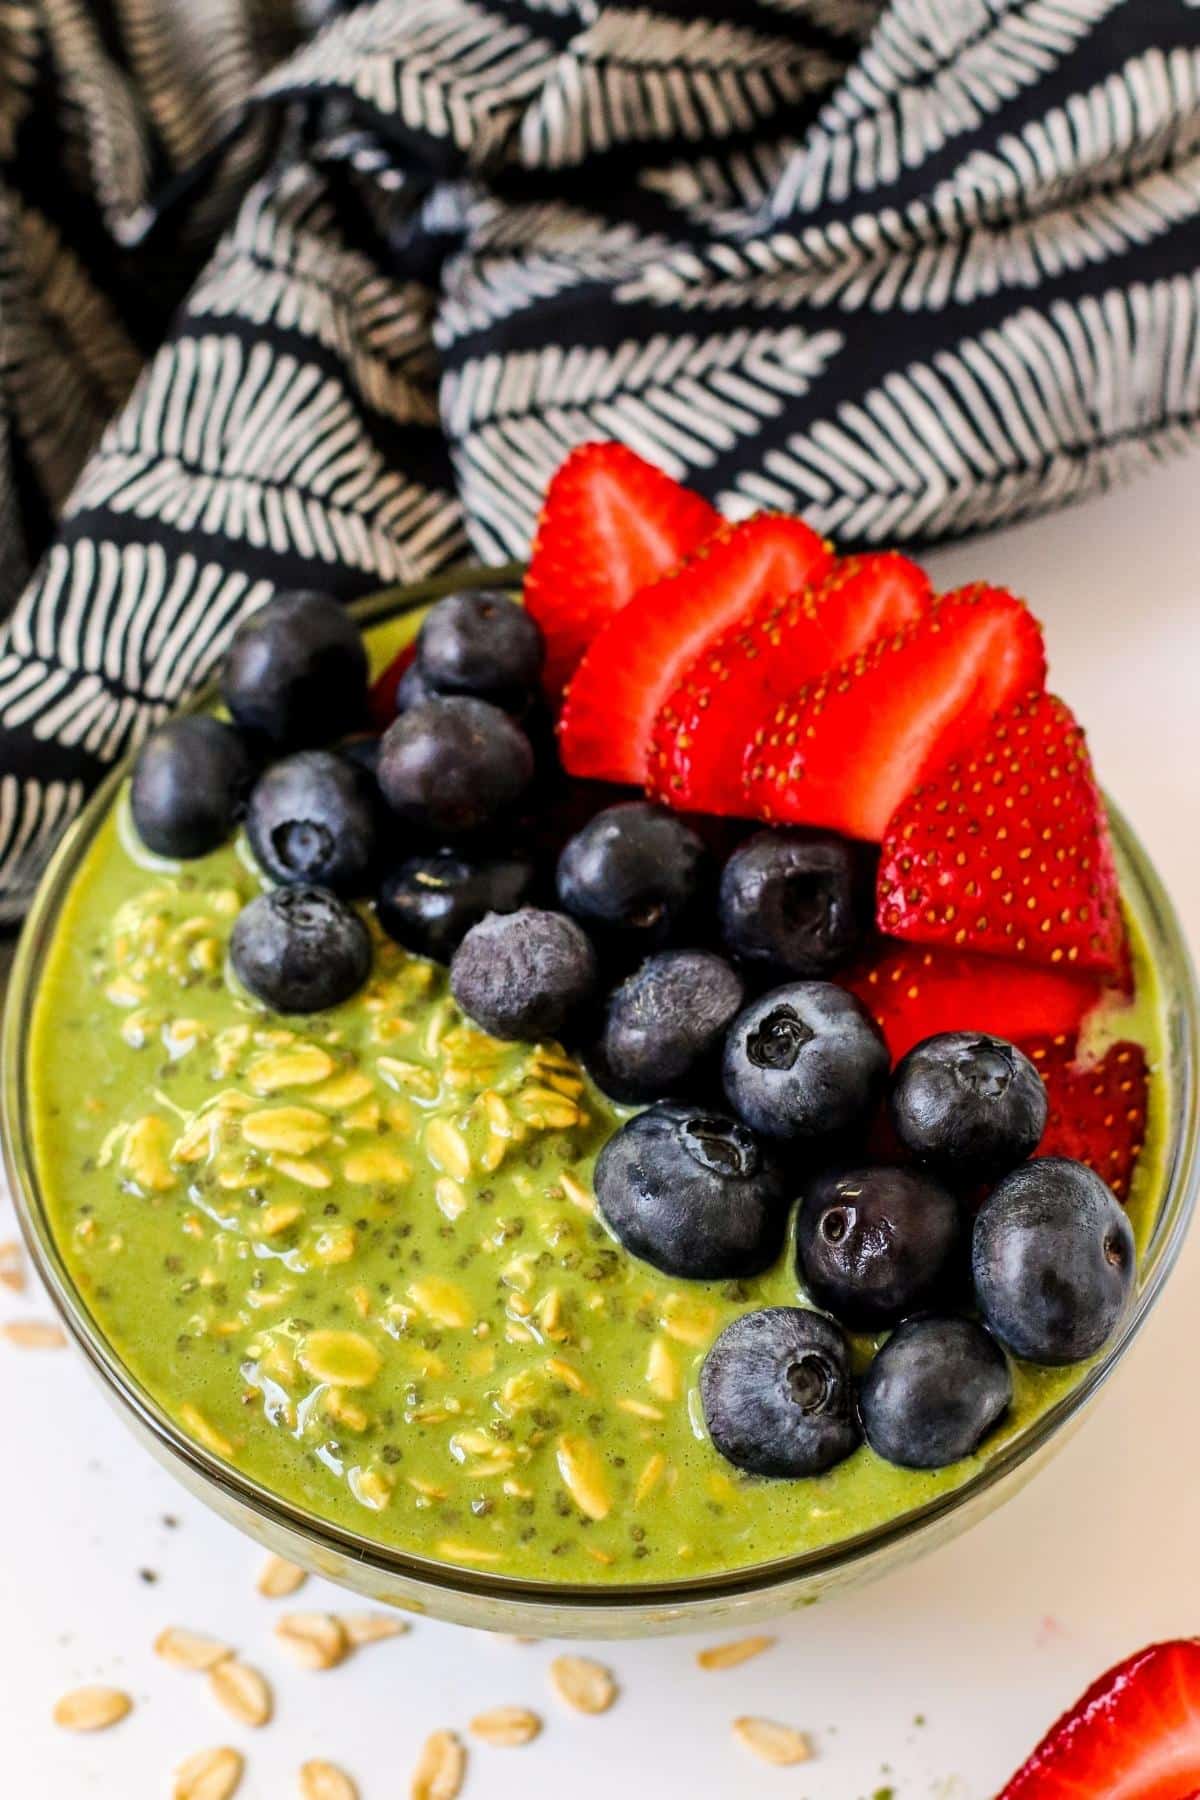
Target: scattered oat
688, 1320
370, 1487
447, 1147
581, 1468
33, 1334
568, 1374
772, 1743
279, 1217
372, 1628
729, 1656
325, 1781
407, 1075
440, 1768
442, 1301
92, 1709
587, 1686
190, 1649
640, 1409
662, 1372
506, 1727
576, 1193
651, 1475
145, 1152
455, 1552
451, 1200
344, 1411
342, 1358
204, 1432
344, 1090
299, 1067
12, 1267
209, 1775
293, 1130
315, 1640
278, 1578
242, 1691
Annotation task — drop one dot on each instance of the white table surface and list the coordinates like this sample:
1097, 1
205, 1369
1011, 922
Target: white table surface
986, 1638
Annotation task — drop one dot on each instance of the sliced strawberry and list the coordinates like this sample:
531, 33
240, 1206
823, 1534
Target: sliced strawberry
610, 524
635, 662
1135, 1735
914, 993
1006, 848
1097, 1108
846, 751
695, 754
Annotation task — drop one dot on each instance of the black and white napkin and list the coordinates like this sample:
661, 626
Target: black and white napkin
913, 269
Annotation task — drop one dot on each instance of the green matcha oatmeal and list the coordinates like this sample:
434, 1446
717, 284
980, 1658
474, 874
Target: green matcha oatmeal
356, 1255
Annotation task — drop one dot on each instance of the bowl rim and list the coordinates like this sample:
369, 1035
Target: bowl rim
1181, 1170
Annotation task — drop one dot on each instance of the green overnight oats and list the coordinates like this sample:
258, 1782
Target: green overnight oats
356, 1255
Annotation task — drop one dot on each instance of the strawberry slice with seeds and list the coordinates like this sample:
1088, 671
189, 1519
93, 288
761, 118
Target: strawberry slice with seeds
637, 659
852, 744
610, 523
1097, 1107
914, 992
694, 757
1135, 1735
1006, 848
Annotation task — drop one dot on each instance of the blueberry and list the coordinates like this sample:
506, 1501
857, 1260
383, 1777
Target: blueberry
523, 974
430, 902
632, 874
967, 1105
806, 1061
189, 786
296, 672
363, 751
412, 688
482, 644
453, 766
692, 1192
934, 1392
875, 1244
311, 821
789, 902
300, 949
663, 1027
778, 1395
398, 689
1053, 1260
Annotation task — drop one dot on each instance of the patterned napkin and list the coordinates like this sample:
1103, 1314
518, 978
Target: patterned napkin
912, 269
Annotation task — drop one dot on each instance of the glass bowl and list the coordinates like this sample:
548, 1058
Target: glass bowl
548, 1609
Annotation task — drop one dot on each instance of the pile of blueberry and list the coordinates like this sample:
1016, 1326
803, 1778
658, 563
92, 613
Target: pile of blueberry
1043, 1267
693, 977
333, 814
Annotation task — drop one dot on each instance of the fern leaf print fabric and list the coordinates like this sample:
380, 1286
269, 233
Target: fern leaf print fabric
295, 293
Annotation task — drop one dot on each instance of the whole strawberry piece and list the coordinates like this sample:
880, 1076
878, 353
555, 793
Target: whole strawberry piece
637, 659
1006, 848
610, 523
1097, 1109
914, 992
695, 757
1135, 1733
849, 747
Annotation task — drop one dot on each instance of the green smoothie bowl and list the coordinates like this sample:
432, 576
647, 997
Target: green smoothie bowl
343, 1275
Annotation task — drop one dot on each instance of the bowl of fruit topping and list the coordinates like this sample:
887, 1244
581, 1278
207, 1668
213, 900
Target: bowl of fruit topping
631, 1109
